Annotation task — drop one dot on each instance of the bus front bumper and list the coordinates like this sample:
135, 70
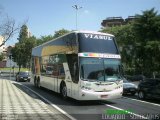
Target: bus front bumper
91, 95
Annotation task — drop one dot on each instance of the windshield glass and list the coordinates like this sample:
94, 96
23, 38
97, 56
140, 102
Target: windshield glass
23, 73
49, 69
99, 69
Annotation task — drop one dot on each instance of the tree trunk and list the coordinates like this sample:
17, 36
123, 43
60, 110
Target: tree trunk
19, 68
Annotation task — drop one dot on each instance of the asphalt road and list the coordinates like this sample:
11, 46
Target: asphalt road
96, 110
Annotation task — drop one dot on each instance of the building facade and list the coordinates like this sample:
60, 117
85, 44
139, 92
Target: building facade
10, 62
116, 21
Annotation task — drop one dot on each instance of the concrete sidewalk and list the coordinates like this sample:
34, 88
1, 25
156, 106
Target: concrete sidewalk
19, 103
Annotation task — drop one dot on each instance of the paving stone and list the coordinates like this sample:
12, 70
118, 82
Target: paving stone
16, 103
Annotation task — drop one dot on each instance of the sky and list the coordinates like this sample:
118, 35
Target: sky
44, 17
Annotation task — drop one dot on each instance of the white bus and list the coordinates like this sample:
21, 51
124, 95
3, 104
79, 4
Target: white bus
83, 65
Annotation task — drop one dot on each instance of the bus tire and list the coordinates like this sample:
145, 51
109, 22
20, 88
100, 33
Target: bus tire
38, 83
63, 90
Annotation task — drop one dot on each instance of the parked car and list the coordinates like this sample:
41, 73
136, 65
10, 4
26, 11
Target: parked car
149, 88
137, 78
128, 77
128, 87
23, 76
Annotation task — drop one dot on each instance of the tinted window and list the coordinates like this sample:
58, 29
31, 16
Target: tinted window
52, 66
23, 73
97, 43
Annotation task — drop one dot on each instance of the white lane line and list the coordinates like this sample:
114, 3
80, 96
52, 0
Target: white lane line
53, 105
143, 101
137, 115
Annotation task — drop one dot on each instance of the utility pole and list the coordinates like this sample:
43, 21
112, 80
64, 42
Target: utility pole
76, 7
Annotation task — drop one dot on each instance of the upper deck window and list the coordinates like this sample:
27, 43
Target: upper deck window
97, 43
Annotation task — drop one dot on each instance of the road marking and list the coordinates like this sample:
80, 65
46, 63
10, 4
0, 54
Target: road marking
143, 101
53, 105
137, 115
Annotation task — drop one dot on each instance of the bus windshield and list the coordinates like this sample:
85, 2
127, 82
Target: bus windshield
100, 69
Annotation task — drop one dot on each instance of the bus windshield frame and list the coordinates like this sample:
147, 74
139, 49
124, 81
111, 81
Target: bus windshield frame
100, 69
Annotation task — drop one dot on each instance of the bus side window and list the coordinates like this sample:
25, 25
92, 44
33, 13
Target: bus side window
61, 71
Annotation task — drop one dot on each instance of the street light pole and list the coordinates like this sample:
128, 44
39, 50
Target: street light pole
76, 7
10, 57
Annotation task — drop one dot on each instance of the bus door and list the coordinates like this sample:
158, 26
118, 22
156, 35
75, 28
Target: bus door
68, 79
75, 79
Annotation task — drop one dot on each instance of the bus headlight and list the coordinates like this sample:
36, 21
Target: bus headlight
118, 87
86, 88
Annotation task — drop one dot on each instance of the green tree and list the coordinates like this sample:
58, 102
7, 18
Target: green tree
125, 38
17, 54
140, 42
22, 51
44, 39
60, 33
29, 43
147, 32
23, 33
1, 56
47, 38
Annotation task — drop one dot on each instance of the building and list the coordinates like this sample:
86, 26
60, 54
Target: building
7, 62
2, 51
10, 62
116, 21
3, 47
29, 34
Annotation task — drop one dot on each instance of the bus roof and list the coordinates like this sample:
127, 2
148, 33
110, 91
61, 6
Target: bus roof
93, 32
37, 51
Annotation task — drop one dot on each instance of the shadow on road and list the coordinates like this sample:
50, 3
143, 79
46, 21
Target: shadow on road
55, 97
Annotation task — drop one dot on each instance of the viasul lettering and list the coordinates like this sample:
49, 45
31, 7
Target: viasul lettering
94, 36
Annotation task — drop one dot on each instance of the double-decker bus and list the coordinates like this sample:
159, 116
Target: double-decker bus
83, 65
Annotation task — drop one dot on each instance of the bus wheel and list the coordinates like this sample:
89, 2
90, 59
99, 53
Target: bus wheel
64, 91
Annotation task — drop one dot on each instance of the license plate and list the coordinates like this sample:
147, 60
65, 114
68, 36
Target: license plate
104, 96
